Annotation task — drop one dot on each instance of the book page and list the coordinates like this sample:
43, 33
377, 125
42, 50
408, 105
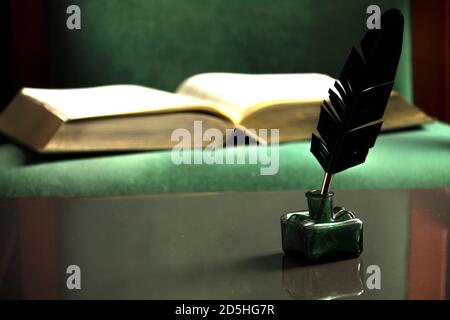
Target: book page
73, 104
241, 94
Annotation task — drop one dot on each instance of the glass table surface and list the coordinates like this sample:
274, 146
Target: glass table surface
219, 246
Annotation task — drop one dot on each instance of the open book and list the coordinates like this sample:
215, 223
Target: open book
129, 117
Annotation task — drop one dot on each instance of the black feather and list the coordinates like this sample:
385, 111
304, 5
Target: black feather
349, 124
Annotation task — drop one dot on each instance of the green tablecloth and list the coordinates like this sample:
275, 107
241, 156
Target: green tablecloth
417, 158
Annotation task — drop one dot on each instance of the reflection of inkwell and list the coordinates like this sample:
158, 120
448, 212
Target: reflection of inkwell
348, 126
322, 281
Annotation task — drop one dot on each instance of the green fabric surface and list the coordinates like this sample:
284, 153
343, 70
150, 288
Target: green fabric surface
417, 158
159, 43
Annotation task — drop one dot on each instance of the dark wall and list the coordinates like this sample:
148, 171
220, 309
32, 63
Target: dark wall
5, 54
431, 56
159, 43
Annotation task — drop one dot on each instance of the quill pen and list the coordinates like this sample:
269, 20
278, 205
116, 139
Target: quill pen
350, 122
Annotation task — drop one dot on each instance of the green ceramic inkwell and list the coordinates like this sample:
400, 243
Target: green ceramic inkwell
349, 123
322, 231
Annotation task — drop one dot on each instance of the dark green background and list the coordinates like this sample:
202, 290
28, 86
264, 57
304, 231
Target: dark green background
159, 43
